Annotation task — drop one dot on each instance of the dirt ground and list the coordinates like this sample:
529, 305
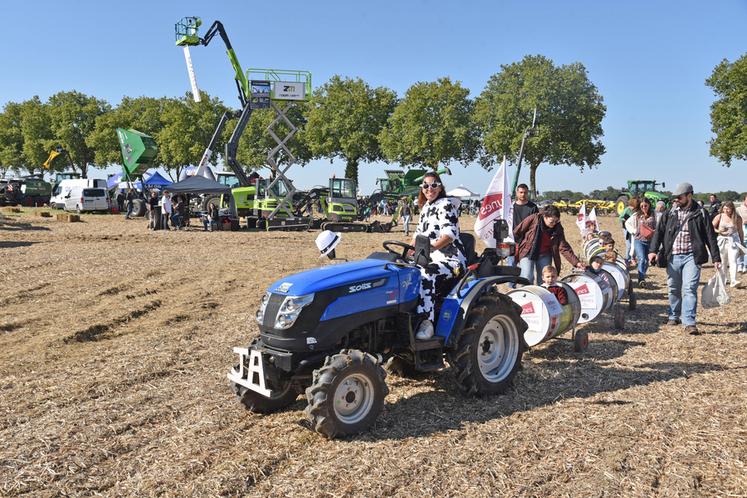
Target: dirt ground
115, 343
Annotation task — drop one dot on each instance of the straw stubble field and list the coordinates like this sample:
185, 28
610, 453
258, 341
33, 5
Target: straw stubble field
115, 343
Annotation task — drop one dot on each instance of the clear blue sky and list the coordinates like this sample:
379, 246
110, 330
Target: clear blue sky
649, 60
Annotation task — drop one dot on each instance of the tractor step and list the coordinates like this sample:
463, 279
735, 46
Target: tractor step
430, 367
436, 342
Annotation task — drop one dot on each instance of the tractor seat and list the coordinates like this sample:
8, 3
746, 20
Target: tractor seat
468, 242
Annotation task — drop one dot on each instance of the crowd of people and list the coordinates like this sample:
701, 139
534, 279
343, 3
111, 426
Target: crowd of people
680, 238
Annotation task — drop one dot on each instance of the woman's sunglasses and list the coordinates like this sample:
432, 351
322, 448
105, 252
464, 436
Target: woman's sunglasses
433, 185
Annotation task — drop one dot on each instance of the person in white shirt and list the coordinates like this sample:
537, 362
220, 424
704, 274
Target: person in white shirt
166, 209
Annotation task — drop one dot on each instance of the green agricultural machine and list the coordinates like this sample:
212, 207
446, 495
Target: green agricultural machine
265, 203
399, 183
138, 151
339, 207
640, 188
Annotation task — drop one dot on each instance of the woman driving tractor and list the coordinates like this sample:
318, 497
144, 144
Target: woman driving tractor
439, 221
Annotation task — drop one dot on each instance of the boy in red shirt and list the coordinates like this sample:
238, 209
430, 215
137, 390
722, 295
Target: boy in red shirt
550, 282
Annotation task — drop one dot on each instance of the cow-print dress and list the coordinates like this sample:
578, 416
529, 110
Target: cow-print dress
439, 218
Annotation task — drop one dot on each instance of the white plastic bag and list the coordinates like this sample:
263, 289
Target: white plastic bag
714, 293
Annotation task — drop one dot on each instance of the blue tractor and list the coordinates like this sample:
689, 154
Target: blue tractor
328, 332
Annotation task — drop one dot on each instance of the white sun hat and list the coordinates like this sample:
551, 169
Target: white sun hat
327, 241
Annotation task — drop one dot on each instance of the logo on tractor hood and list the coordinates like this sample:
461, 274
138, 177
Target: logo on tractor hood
352, 289
284, 287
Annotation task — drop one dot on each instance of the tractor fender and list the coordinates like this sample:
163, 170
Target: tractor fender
449, 324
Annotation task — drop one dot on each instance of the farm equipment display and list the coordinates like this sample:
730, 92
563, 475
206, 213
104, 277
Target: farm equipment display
266, 205
573, 207
399, 183
640, 188
339, 207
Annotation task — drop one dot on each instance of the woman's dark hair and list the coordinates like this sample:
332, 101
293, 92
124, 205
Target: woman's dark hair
421, 196
551, 211
643, 201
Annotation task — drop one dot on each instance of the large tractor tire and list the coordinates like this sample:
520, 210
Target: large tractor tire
487, 352
215, 199
347, 394
138, 207
621, 204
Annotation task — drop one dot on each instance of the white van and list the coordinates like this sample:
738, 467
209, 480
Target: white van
61, 189
81, 199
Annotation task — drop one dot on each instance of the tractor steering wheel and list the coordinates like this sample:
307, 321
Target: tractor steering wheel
405, 248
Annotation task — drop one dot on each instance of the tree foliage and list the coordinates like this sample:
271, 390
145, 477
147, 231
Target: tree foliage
430, 126
72, 118
140, 113
729, 111
187, 127
570, 112
345, 118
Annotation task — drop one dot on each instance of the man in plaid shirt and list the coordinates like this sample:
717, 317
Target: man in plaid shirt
684, 236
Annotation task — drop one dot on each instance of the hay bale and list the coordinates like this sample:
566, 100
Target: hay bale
68, 217
11, 209
44, 214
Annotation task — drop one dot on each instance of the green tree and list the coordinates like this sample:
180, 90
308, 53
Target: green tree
610, 194
36, 132
345, 119
570, 112
11, 137
72, 120
430, 126
729, 111
140, 113
187, 129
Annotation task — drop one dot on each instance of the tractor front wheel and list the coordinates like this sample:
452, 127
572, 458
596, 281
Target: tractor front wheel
281, 397
488, 350
621, 204
347, 394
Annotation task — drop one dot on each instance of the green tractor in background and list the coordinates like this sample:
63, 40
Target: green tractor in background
400, 183
640, 188
338, 204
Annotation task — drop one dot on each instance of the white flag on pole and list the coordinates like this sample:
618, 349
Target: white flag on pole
495, 206
581, 219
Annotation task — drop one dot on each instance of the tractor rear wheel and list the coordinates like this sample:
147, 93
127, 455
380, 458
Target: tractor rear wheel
487, 351
621, 204
347, 394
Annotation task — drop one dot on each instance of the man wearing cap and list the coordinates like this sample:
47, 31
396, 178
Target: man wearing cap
681, 243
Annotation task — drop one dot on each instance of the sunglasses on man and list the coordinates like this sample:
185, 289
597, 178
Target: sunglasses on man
434, 185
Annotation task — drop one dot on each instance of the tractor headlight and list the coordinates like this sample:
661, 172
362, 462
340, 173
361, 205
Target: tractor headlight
260, 316
290, 309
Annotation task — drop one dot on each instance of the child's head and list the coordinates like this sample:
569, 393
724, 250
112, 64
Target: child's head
609, 245
549, 275
596, 263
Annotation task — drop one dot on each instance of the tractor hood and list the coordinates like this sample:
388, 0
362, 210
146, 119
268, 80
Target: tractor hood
332, 276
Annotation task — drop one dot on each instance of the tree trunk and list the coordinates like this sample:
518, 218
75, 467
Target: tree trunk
83, 170
351, 170
533, 179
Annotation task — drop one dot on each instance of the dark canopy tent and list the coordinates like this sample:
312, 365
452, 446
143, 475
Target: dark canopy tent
198, 185
201, 185
157, 181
